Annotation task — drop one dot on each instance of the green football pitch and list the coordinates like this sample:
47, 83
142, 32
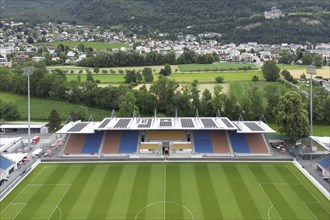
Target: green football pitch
166, 190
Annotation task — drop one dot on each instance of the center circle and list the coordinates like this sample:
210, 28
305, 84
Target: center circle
167, 208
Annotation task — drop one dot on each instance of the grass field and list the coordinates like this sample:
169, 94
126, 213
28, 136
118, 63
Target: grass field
318, 130
166, 191
41, 108
179, 77
214, 67
95, 45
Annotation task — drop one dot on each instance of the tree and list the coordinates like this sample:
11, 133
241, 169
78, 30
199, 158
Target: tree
168, 69
255, 78
9, 111
287, 75
195, 95
318, 60
147, 75
219, 79
206, 108
127, 104
271, 71
291, 117
326, 106
252, 104
231, 108
89, 76
130, 76
218, 98
307, 59
145, 101
81, 113
54, 120
164, 90
96, 70
286, 58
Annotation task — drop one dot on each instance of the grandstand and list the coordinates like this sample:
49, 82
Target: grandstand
323, 164
173, 136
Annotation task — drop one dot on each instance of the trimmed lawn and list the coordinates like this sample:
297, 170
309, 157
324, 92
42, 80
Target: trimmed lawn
104, 78
169, 191
41, 108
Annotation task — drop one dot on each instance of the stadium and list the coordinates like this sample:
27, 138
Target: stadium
172, 137
165, 168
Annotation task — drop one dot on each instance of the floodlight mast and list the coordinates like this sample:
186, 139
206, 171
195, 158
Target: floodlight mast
312, 71
29, 71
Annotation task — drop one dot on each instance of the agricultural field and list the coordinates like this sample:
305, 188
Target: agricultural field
209, 77
166, 191
104, 78
95, 45
227, 66
240, 88
41, 108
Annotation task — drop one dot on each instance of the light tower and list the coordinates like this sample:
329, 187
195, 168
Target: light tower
312, 71
28, 71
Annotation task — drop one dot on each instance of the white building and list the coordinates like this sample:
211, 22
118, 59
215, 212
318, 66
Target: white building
274, 13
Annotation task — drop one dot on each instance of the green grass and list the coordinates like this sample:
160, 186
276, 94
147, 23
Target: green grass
291, 67
104, 78
41, 108
165, 191
318, 130
240, 88
179, 77
214, 67
210, 76
95, 45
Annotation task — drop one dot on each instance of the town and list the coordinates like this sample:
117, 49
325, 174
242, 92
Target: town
19, 42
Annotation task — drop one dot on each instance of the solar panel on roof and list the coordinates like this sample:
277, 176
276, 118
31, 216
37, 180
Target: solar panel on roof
208, 123
187, 123
78, 127
227, 123
253, 126
104, 123
165, 123
145, 123
122, 123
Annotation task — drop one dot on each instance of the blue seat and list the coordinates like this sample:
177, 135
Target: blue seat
92, 143
238, 142
128, 142
203, 142
5, 163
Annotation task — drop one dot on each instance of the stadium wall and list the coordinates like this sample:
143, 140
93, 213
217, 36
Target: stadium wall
313, 180
18, 180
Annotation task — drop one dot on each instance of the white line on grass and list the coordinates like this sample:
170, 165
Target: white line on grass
57, 206
269, 200
10, 204
310, 209
307, 189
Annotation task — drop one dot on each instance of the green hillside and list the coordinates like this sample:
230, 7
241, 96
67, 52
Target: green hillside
238, 21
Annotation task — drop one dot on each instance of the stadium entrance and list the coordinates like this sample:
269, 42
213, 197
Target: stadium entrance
166, 147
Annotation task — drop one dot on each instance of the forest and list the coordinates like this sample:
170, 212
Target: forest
237, 21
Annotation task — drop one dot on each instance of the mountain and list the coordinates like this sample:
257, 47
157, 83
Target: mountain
237, 20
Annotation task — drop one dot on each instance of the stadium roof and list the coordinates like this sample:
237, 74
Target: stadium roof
166, 123
323, 141
253, 127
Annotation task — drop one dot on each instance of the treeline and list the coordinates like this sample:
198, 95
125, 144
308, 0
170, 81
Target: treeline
165, 95
124, 59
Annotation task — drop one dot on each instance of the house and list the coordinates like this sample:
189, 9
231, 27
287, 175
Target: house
274, 13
